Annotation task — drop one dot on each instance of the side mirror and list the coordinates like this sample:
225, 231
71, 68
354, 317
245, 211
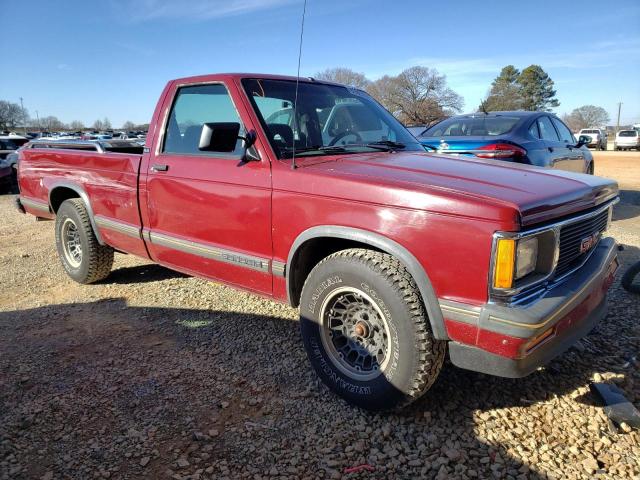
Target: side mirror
223, 137
583, 140
219, 137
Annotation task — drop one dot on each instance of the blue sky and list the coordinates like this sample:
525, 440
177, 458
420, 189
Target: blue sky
82, 60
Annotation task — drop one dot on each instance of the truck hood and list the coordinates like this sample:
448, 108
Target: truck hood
537, 194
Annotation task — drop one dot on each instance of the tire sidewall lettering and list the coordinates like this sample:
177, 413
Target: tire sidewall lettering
394, 341
320, 289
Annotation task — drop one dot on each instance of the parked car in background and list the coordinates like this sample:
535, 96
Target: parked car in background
128, 136
598, 137
8, 172
627, 139
535, 138
10, 143
394, 255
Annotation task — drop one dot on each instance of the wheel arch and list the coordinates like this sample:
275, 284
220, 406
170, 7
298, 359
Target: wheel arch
347, 237
61, 191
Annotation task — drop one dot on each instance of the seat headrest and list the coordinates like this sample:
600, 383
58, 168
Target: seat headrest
281, 130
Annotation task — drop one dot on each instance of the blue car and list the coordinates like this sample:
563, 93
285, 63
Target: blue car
535, 138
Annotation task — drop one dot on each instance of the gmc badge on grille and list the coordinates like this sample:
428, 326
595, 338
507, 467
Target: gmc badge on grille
588, 242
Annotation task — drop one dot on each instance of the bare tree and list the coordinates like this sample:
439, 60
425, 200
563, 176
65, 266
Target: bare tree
11, 115
76, 125
106, 124
585, 117
419, 95
128, 126
345, 76
52, 123
98, 125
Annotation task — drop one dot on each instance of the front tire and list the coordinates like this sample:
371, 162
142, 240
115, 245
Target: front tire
629, 276
83, 258
366, 331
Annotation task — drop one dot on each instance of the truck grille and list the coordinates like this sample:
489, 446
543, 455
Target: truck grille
571, 237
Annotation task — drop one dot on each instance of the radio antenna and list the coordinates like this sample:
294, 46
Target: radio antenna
295, 102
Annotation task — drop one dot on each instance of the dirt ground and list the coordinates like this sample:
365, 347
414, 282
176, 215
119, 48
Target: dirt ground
152, 374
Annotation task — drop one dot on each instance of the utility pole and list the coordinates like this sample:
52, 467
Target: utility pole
24, 117
38, 120
618, 121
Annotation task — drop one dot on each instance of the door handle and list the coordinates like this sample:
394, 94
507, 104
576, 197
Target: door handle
159, 168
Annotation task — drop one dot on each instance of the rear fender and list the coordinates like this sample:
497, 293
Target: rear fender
82, 194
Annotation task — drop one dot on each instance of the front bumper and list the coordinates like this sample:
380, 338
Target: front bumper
506, 337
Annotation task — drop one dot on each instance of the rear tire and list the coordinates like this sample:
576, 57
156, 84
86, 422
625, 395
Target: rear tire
366, 331
83, 258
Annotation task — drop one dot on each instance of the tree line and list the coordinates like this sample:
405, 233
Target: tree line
416, 96
12, 117
421, 96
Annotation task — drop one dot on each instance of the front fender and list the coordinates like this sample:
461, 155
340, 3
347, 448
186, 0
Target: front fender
386, 245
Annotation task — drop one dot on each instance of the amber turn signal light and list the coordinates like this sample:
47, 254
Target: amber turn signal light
504, 263
538, 340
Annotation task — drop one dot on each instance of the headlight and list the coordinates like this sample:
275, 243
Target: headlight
522, 260
526, 256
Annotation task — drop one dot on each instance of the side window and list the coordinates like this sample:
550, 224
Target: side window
533, 130
547, 132
565, 134
192, 108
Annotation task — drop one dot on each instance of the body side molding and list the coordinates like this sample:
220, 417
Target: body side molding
208, 251
118, 226
387, 245
35, 204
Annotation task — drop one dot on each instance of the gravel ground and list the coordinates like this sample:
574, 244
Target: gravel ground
158, 375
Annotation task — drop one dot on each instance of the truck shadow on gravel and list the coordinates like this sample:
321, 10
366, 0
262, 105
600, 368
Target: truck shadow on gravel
629, 206
141, 274
77, 379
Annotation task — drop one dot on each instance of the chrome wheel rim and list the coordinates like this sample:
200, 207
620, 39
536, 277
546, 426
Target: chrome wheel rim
355, 333
71, 245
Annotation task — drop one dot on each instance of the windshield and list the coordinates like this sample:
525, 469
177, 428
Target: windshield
628, 133
590, 131
472, 126
330, 119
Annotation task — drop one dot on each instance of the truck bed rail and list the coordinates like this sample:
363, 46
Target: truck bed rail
100, 146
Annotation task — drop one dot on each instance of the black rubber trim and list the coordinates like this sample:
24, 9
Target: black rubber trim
387, 245
18, 205
478, 360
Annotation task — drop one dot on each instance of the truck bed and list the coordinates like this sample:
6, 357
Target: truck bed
103, 174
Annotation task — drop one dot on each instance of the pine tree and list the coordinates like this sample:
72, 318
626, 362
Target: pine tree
505, 93
537, 89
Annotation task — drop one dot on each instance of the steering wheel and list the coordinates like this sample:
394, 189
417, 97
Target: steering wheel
342, 134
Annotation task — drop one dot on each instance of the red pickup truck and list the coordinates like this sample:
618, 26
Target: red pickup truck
311, 193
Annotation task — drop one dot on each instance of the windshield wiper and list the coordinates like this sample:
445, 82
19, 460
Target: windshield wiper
317, 148
431, 147
386, 145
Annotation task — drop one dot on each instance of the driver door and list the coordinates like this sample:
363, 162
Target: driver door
209, 213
